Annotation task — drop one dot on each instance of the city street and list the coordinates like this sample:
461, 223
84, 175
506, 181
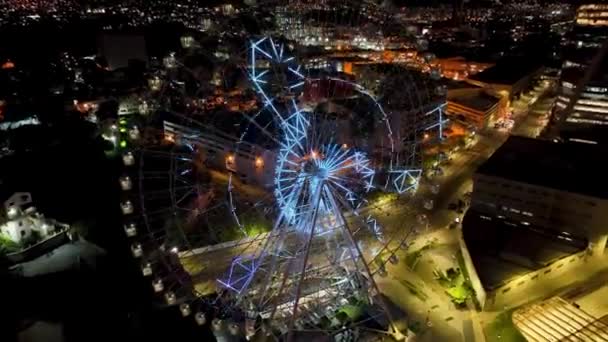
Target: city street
448, 323
533, 110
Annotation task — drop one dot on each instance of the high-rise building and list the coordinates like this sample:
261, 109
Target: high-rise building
584, 79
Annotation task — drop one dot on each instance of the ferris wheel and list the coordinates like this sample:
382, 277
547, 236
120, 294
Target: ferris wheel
258, 222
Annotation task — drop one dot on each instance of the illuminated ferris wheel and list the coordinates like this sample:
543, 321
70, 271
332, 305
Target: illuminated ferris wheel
257, 222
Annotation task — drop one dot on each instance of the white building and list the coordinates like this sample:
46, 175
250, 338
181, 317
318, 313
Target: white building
23, 219
128, 106
251, 163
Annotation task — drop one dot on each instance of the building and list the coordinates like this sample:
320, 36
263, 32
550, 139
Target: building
508, 77
23, 220
586, 120
460, 68
534, 202
474, 107
250, 162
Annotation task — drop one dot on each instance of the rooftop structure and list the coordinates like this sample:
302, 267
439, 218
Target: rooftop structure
24, 222
572, 167
509, 74
502, 250
474, 107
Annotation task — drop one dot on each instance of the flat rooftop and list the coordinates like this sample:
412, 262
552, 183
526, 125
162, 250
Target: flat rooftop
570, 166
477, 100
507, 71
503, 250
453, 84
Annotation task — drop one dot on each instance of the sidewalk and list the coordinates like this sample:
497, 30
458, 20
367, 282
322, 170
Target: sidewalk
424, 301
549, 286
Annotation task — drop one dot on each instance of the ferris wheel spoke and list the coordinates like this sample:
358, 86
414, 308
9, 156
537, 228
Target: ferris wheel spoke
264, 130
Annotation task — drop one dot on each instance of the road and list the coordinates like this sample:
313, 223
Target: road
534, 110
447, 322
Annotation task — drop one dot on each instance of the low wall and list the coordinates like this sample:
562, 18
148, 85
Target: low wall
39, 249
548, 271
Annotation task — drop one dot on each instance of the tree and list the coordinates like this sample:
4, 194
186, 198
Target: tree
7, 245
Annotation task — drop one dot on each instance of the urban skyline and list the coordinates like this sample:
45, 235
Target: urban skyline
304, 170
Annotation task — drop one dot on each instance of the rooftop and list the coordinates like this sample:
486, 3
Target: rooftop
573, 167
503, 250
453, 85
507, 71
477, 100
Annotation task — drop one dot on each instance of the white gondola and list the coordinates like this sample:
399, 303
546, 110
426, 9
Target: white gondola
200, 318
155, 83
128, 159
170, 297
137, 250
187, 42
125, 183
234, 329
146, 269
130, 229
126, 207
170, 62
184, 308
217, 324
157, 285
134, 133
